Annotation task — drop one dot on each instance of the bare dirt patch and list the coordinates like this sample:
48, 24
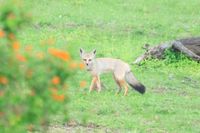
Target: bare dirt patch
75, 127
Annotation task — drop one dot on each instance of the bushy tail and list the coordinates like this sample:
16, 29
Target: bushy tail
134, 83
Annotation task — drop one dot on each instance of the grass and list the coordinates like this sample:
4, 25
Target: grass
119, 29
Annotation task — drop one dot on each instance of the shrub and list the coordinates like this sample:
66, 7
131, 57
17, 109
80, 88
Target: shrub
32, 87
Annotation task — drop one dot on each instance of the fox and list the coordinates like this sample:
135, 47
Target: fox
121, 71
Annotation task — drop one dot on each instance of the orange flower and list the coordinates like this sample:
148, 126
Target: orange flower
42, 42
55, 80
30, 127
3, 80
2, 34
73, 65
1, 114
28, 48
11, 36
54, 90
40, 55
65, 86
51, 41
59, 98
11, 16
32, 93
1, 93
16, 45
81, 66
59, 54
20, 58
83, 84
29, 73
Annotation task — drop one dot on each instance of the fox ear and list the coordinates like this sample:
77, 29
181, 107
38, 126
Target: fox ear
94, 51
81, 51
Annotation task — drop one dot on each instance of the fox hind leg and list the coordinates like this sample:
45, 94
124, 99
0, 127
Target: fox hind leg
126, 89
119, 78
119, 87
124, 85
118, 84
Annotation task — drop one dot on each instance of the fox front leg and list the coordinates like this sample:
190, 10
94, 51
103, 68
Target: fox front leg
92, 86
96, 88
98, 83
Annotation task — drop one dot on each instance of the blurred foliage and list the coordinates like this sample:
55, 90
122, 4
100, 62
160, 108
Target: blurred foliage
32, 85
13, 16
173, 56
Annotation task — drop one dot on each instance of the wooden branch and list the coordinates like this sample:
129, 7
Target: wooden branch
154, 52
190, 47
178, 45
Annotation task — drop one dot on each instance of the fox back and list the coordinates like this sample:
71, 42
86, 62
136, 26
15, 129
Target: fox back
101, 65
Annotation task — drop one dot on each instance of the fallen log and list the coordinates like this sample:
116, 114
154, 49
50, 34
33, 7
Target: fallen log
189, 46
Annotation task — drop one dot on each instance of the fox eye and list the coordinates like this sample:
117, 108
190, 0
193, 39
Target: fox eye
90, 59
84, 59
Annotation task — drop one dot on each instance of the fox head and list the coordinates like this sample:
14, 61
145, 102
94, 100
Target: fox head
88, 58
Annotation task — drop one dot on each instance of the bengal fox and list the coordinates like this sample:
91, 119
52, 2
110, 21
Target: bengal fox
121, 72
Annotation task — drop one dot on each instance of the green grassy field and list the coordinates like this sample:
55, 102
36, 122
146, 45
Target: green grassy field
119, 29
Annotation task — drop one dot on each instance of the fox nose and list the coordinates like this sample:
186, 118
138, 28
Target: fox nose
87, 64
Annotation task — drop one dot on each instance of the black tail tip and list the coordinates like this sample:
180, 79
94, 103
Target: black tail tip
140, 88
